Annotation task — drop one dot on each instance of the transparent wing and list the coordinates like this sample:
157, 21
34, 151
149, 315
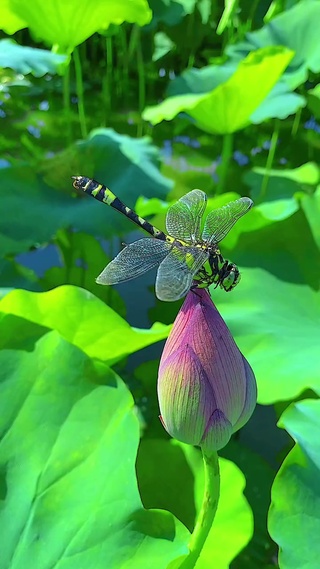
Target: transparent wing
184, 217
220, 221
134, 260
177, 270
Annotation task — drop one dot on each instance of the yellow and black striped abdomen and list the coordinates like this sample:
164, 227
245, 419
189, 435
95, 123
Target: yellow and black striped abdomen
104, 195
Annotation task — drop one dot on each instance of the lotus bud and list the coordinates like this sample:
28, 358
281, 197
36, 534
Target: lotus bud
206, 388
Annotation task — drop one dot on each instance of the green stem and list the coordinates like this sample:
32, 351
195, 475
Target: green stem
109, 59
296, 122
141, 81
226, 155
272, 151
207, 512
64, 245
66, 102
79, 87
125, 64
253, 9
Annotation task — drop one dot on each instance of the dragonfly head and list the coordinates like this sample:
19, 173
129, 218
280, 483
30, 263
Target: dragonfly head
80, 182
230, 278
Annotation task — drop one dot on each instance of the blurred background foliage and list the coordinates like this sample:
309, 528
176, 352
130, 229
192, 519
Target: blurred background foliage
154, 99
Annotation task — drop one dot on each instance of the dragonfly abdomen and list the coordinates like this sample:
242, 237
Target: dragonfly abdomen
104, 195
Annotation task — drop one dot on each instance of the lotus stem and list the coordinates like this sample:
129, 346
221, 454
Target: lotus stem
208, 509
79, 88
226, 155
271, 154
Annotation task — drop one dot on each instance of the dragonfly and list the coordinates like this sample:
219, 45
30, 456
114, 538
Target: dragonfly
187, 257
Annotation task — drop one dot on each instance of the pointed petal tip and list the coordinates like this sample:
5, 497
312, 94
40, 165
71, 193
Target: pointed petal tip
218, 432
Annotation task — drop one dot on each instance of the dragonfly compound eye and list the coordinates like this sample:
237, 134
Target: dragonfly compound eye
231, 279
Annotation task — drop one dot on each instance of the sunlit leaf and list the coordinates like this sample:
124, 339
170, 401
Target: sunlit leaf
84, 320
294, 518
10, 22
284, 187
24, 59
275, 324
280, 102
308, 173
153, 206
69, 441
229, 106
67, 24
276, 7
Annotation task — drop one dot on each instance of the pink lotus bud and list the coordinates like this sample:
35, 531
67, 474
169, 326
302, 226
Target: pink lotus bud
206, 388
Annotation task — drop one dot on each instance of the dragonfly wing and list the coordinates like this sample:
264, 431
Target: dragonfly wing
220, 221
134, 260
177, 270
184, 217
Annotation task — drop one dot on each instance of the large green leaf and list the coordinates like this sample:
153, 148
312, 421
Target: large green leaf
311, 207
259, 478
280, 200
279, 103
294, 518
67, 24
280, 206
35, 212
161, 487
276, 326
306, 174
10, 22
228, 107
298, 30
84, 320
287, 248
200, 80
20, 334
69, 440
23, 59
